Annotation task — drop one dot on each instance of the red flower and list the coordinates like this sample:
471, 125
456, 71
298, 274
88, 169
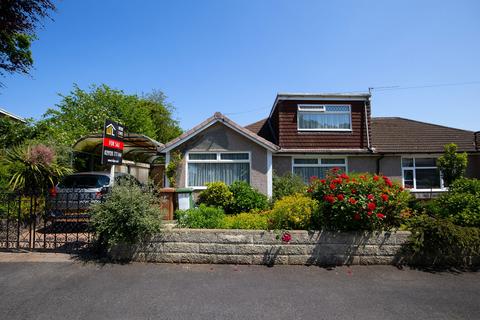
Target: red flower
313, 178
286, 237
323, 181
380, 215
384, 197
332, 186
329, 198
354, 191
363, 177
369, 213
371, 206
357, 217
376, 178
340, 197
335, 169
388, 182
309, 190
344, 176
352, 200
370, 197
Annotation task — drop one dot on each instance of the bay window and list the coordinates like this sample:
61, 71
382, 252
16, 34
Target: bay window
316, 117
205, 167
318, 167
421, 173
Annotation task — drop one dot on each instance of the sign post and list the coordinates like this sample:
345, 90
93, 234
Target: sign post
112, 150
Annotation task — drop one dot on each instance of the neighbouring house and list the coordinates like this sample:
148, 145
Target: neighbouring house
5, 113
309, 134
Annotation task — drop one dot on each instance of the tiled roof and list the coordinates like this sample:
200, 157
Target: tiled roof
399, 135
218, 117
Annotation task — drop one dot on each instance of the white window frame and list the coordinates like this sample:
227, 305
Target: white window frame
319, 164
217, 160
414, 168
305, 109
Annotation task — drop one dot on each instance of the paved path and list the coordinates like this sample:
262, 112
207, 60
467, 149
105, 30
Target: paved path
65, 289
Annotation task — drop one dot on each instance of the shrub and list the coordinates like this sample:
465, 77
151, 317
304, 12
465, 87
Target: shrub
217, 194
359, 202
452, 164
439, 242
287, 185
201, 217
129, 214
295, 212
246, 198
461, 203
256, 221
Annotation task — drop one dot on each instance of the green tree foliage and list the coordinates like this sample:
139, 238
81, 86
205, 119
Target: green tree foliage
217, 194
13, 133
18, 21
83, 112
452, 164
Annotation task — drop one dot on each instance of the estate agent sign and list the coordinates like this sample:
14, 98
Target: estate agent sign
112, 142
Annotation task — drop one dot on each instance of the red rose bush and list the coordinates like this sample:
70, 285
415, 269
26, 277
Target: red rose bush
359, 202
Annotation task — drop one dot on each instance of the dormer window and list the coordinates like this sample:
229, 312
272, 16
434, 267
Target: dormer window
324, 117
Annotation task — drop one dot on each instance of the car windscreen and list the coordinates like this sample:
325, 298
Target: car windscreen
84, 181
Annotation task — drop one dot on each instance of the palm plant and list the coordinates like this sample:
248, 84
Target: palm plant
33, 168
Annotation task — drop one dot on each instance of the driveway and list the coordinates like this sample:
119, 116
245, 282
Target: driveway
66, 289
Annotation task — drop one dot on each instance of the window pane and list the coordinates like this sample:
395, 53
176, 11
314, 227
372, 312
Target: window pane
312, 120
407, 162
307, 172
202, 156
427, 178
201, 173
333, 161
234, 156
305, 161
408, 179
425, 162
337, 108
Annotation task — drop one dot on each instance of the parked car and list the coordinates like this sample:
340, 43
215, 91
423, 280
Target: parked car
77, 192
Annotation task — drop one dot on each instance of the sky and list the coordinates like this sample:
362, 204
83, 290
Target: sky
234, 56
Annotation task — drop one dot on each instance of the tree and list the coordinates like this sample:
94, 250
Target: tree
452, 164
83, 112
13, 132
18, 21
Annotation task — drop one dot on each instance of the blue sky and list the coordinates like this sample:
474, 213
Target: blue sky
234, 56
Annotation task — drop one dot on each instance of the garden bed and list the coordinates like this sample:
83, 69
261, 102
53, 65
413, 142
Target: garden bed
265, 248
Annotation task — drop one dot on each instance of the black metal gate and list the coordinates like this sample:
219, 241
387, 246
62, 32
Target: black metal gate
43, 222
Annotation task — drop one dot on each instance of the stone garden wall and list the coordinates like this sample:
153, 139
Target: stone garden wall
263, 247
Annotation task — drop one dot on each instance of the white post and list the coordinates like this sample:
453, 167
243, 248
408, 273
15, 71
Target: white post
112, 174
165, 179
269, 174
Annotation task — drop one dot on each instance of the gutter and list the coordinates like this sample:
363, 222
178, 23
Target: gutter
366, 126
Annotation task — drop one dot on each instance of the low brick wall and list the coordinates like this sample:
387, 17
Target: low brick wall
263, 247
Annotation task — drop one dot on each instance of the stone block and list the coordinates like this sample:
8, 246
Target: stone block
233, 259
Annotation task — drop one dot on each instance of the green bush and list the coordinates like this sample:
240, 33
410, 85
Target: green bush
287, 185
217, 194
295, 212
359, 202
129, 214
246, 198
255, 221
461, 203
439, 242
203, 217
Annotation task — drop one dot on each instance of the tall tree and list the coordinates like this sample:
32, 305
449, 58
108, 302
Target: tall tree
18, 22
452, 164
83, 112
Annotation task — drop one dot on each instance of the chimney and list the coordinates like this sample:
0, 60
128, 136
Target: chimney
477, 140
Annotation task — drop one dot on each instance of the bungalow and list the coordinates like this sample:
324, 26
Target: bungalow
308, 134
